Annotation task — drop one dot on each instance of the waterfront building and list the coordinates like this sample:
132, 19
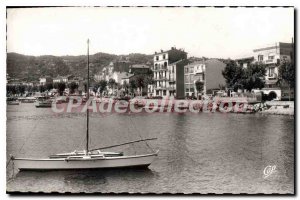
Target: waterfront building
245, 61
272, 55
208, 72
168, 76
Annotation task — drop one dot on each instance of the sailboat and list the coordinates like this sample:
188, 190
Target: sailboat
87, 158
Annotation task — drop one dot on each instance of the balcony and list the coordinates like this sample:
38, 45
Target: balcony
160, 69
171, 88
171, 80
160, 78
272, 61
272, 76
161, 88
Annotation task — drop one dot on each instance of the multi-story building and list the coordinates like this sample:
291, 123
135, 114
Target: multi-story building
209, 72
168, 73
272, 55
245, 61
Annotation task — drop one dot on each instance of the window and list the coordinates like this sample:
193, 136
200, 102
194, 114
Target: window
192, 77
157, 57
157, 92
271, 71
165, 64
164, 56
201, 78
165, 92
260, 58
186, 70
155, 66
270, 57
186, 79
191, 69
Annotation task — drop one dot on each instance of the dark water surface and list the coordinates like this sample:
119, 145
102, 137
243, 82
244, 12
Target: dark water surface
199, 153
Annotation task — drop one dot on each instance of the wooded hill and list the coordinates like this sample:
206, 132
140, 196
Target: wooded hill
31, 68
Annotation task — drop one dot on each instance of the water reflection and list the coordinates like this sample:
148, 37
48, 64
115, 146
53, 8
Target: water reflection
205, 152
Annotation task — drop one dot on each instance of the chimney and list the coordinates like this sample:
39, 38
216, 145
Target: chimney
161, 50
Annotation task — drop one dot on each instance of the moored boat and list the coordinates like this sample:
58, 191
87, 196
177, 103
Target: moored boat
12, 101
43, 102
84, 162
88, 158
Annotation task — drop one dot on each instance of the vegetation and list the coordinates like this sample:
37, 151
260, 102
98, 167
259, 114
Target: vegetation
31, 68
232, 73
72, 87
199, 86
60, 87
287, 75
253, 76
248, 78
100, 86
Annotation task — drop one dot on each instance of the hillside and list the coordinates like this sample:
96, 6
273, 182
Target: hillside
31, 68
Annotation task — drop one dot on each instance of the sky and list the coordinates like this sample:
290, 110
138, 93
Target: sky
209, 32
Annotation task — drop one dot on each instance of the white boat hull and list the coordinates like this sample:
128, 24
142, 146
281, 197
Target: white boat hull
84, 163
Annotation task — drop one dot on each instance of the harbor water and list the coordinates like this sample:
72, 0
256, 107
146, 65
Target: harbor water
198, 153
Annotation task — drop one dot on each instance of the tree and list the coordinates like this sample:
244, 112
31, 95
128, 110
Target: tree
72, 87
232, 73
42, 88
60, 87
111, 83
132, 85
287, 74
102, 86
11, 89
21, 89
126, 87
140, 81
49, 86
199, 86
253, 76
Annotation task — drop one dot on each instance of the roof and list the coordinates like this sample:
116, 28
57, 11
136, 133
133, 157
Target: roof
213, 60
128, 76
195, 63
272, 46
245, 58
172, 49
58, 77
174, 63
140, 66
45, 77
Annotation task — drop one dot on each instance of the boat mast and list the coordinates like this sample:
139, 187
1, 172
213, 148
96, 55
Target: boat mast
88, 97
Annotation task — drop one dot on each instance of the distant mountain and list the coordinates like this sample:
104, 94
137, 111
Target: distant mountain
31, 68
